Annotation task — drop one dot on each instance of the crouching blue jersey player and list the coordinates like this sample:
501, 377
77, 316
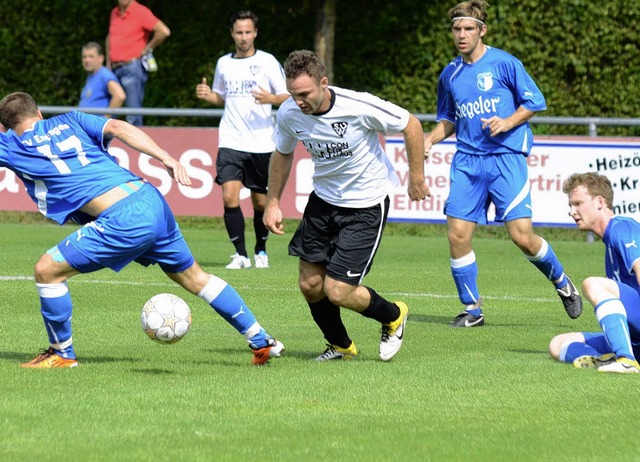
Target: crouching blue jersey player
615, 298
486, 98
66, 169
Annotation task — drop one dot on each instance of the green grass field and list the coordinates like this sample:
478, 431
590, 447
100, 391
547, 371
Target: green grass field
490, 393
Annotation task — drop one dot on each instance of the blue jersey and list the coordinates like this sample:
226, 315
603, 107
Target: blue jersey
495, 85
96, 92
63, 163
622, 238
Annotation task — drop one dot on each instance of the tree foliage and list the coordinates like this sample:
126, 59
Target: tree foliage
583, 54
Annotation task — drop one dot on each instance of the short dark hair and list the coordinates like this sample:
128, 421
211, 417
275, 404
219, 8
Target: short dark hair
246, 14
16, 107
304, 62
94, 45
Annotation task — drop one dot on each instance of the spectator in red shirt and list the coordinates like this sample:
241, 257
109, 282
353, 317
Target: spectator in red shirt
134, 32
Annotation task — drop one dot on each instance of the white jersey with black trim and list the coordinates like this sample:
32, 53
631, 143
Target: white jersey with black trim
245, 125
351, 168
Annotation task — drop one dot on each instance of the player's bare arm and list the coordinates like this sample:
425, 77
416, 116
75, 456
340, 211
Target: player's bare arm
498, 125
264, 96
443, 130
279, 170
414, 144
140, 141
205, 93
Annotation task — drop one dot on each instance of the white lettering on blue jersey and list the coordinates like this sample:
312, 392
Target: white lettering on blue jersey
63, 163
495, 85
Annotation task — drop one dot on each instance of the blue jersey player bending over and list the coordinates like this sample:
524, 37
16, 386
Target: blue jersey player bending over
615, 298
66, 169
486, 98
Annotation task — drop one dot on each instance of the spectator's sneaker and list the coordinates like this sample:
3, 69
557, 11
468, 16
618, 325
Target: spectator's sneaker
570, 299
594, 361
262, 355
261, 259
335, 352
239, 262
49, 359
393, 334
466, 319
621, 365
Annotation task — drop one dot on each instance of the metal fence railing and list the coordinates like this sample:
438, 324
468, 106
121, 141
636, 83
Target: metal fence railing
591, 123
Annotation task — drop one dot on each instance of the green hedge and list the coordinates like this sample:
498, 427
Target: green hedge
583, 54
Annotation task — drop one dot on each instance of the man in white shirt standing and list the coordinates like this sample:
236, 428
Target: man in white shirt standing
247, 83
344, 219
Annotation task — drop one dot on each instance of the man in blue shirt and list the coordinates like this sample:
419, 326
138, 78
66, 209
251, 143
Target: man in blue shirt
616, 297
486, 97
102, 88
66, 169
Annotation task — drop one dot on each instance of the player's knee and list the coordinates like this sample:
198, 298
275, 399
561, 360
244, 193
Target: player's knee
43, 271
589, 285
311, 287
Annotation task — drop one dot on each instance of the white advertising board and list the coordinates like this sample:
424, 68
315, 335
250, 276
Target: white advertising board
552, 160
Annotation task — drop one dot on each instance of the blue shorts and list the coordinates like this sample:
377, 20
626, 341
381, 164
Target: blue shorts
630, 298
477, 181
140, 228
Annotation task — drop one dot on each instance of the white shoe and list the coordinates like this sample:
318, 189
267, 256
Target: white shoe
239, 262
261, 259
622, 365
393, 334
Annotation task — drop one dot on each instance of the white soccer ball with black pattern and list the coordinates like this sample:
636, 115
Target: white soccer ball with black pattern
166, 318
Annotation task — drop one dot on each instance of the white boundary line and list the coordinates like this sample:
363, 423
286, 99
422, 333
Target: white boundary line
272, 289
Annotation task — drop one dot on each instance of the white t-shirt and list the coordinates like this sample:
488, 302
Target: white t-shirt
245, 125
350, 167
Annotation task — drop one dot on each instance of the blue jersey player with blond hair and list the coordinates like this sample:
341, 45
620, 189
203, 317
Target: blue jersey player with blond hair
66, 169
616, 297
486, 98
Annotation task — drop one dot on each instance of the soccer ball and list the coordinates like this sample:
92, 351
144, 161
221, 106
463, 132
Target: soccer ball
166, 318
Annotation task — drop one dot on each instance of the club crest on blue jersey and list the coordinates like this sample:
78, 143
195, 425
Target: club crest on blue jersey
340, 128
485, 81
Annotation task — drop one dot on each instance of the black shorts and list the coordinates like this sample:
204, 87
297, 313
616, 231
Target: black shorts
250, 168
344, 240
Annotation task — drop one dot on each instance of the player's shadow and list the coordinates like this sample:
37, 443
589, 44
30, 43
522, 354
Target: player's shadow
153, 371
298, 355
16, 356
24, 357
429, 318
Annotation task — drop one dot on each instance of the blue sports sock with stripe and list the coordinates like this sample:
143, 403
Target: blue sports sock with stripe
56, 307
465, 275
549, 265
612, 318
229, 304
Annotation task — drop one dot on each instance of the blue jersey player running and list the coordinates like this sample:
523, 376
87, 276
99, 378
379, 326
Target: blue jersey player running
616, 298
486, 97
66, 169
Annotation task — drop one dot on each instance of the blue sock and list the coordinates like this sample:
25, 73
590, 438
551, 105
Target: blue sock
56, 307
465, 276
227, 303
612, 318
575, 350
549, 265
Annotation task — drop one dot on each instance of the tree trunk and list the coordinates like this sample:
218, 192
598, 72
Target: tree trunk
325, 33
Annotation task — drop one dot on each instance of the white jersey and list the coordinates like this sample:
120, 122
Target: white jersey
351, 168
245, 125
